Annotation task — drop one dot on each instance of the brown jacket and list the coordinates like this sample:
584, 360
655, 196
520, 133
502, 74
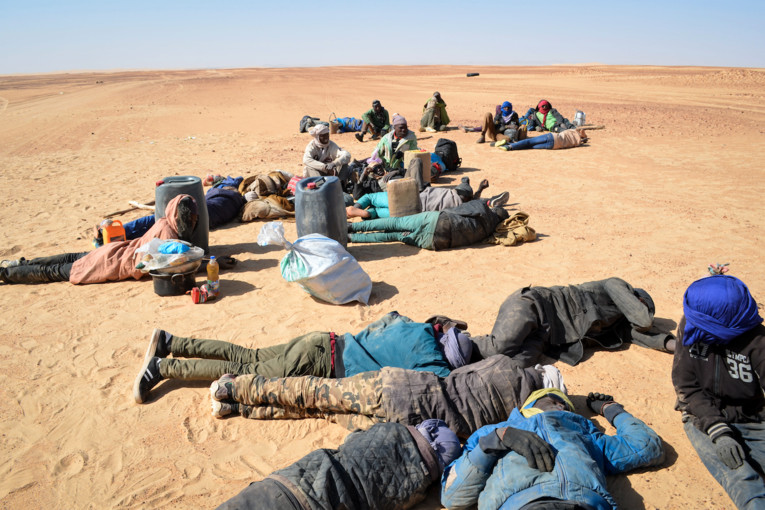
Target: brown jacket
566, 139
115, 261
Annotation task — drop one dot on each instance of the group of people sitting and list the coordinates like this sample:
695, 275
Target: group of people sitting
509, 132
525, 446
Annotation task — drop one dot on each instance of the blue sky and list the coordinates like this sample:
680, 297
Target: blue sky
48, 36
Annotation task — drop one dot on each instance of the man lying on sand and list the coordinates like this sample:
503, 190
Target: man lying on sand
467, 224
437, 348
375, 205
388, 466
564, 140
555, 321
469, 398
570, 468
110, 262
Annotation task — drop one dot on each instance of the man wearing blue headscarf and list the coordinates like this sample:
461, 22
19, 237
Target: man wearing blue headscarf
503, 125
717, 373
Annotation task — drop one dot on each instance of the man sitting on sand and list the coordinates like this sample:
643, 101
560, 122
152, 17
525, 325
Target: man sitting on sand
501, 126
467, 224
546, 118
564, 140
437, 348
376, 121
324, 157
390, 150
434, 116
719, 377
571, 460
388, 466
556, 320
375, 205
469, 398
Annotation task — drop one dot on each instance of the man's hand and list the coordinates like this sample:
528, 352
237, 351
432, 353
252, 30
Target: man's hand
730, 451
330, 167
538, 453
597, 401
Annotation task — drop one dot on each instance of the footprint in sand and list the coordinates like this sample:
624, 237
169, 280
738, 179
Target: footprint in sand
70, 465
194, 432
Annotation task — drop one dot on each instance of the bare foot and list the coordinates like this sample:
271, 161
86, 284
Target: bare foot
356, 212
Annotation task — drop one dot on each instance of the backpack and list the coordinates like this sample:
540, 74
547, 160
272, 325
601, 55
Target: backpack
447, 149
307, 122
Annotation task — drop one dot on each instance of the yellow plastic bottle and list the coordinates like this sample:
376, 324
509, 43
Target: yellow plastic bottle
212, 276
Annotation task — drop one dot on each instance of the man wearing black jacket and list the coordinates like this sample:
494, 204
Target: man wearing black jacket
389, 466
717, 374
469, 398
555, 320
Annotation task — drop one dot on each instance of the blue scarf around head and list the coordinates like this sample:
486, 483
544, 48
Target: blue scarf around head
717, 310
507, 115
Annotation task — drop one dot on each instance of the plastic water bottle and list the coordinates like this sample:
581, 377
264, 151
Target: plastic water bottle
212, 276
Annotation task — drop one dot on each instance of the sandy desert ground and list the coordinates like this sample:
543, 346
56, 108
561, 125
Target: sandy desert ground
673, 182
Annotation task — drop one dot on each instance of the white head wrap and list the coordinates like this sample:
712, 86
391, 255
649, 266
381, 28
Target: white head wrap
552, 377
318, 130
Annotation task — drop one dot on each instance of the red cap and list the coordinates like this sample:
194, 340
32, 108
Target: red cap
159, 183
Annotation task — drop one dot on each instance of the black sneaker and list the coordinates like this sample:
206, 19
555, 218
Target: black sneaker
360, 137
159, 344
148, 377
499, 200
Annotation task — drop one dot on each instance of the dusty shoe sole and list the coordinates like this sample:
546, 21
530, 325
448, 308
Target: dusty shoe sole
222, 409
146, 360
216, 409
216, 386
214, 392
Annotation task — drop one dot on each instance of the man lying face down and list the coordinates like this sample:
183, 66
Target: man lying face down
555, 321
393, 340
388, 466
469, 398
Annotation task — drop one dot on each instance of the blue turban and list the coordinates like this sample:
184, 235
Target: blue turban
717, 310
508, 105
442, 439
458, 347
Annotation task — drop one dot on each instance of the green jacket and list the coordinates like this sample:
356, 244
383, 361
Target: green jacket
385, 150
442, 109
378, 120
